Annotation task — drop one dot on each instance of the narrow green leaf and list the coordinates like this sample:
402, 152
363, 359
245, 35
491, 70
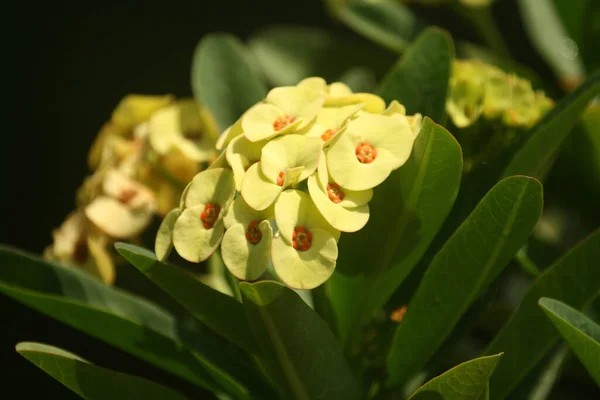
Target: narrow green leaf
467, 381
302, 354
288, 54
472, 258
550, 38
218, 311
224, 79
528, 335
406, 212
90, 381
582, 334
419, 80
179, 345
536, 155
388, 23
550, 374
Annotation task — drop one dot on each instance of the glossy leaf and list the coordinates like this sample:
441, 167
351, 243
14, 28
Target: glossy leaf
550, 374
218, 311
90, 381
302, 354
529, 335
467, 381
288, 54
582, 334
388, 23
473, 257
536, 155
419, 81
410, 206
179, 345
224, 79
550, 38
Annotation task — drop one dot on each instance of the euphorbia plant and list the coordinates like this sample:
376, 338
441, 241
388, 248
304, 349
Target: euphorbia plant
344, 259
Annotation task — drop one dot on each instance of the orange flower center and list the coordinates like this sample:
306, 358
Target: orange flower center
253, 234
366, 153
335, 192
281, 178
397, 315
283, 122
210, 214
127, 195
328, 134
301, 238
81, 251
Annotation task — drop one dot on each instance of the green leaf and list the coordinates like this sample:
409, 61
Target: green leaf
467, 381
90, 381
528, 335
582, 334
288, 54
179, 345
536, 155
550, 38
472, 258
218, 311
224, 79
550, 374
419, 81
301, 351
410, 206
386, 22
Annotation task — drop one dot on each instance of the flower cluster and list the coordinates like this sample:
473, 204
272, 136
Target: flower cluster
141, 160
478, 89
295, 171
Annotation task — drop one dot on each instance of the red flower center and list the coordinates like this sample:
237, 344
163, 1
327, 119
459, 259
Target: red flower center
281, 178
283, 122
210, 214
127, 195
335, 192
366, 153
253, 234
301, 238
328, 134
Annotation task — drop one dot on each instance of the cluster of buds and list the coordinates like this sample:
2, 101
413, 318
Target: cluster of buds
141, 160
295, 171
478, 89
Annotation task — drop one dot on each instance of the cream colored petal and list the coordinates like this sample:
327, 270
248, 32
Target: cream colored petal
245, 260
371, 103
68, 234
393, 136
295, 208
339, 89
258, 122
416, 122
298, 102
348, 172
135, 109
116, 219
191, 239
332, 118
220, 162
163, 127
290, 151
119, 186
199, 152
305, 269
215, 186
352, 198
258, 191
313, 83
394, 108
240, 212
229, 134
241, 153
341, 218
102, 265
163, 243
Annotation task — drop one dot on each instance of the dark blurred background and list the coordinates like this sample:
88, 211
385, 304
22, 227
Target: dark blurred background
68, 67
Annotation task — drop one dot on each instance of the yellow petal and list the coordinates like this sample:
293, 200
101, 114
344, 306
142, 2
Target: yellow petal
288, 152
241, 213
214, 186
191, 239
245, 260
258, 191
164, 237
135, 109
298, 102
116, 219
241, 153
259, 122
102, 265
305, 269
229, 134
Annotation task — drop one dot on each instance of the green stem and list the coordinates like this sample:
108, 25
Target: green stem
483, 21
